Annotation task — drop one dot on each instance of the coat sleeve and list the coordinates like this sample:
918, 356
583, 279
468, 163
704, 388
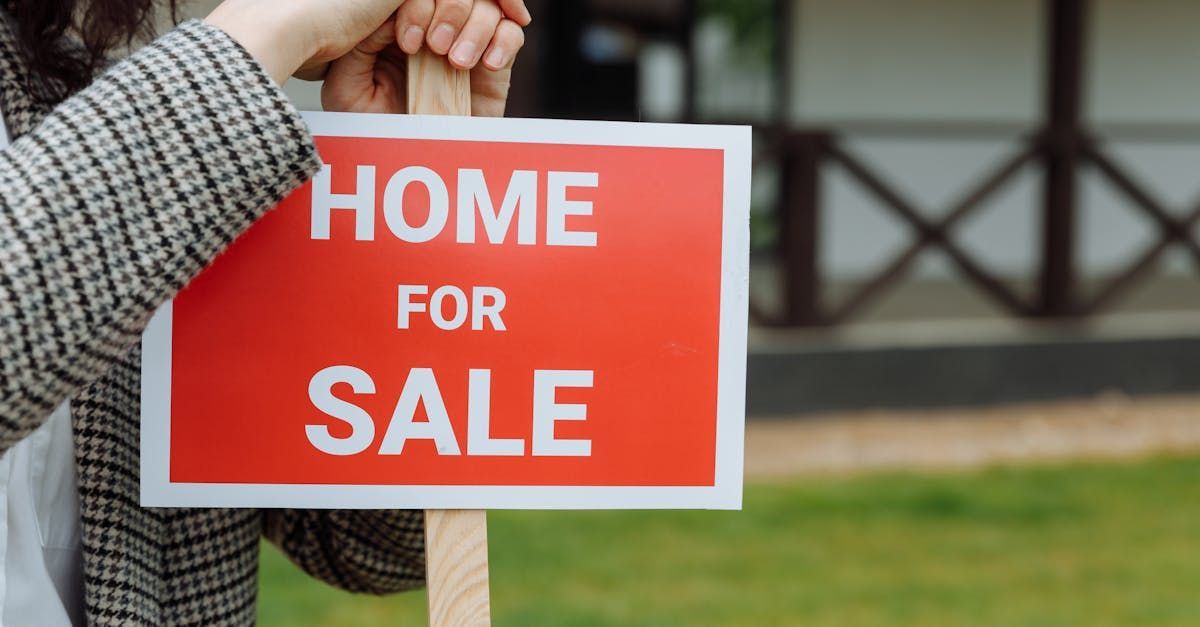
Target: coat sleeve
372, 552
121, 196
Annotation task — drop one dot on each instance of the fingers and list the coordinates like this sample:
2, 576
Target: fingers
412, 24
449, 17
352, 82
467, 31
507, 42
476, 34
490, 81
516, 11
489, 92
360, 60
312, 72
380, 39
359, 63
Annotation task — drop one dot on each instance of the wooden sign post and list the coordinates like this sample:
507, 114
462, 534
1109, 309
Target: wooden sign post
456, 552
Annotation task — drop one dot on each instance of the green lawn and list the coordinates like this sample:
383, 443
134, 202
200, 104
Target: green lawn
1094, 545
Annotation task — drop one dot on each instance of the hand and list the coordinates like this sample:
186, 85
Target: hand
284, 36
372, 78
464, 30
461, 29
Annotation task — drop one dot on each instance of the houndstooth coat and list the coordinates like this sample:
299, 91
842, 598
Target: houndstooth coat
111, 202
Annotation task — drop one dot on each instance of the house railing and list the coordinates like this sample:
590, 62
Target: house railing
803, 154
1060, 148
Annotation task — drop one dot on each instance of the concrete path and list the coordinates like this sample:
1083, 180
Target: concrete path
1108, 427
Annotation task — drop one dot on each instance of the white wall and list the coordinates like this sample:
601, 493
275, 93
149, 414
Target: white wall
981, 60
1147, 60
926, 59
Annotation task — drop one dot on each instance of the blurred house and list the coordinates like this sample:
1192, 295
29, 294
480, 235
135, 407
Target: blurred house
956, 201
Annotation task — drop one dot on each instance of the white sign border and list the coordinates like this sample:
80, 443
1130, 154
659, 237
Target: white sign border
726, 494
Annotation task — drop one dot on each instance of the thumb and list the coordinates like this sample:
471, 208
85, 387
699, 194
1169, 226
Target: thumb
350, 83
362, 57
489, 91
356, 69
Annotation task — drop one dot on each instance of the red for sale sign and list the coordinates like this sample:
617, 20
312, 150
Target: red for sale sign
464, 313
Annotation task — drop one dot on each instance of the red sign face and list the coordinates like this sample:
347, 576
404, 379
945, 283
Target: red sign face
486, 318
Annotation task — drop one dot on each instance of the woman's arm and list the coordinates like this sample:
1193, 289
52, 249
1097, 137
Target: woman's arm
127, 190
122, 195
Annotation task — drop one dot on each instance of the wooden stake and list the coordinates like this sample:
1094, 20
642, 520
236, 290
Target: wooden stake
456, 561
456, 552
435, 87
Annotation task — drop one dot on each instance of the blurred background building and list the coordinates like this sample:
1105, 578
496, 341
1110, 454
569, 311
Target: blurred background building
956, 201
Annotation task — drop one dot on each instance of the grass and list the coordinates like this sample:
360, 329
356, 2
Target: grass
1088, 544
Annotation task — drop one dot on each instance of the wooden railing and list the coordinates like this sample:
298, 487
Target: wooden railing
1060, 146
802, 155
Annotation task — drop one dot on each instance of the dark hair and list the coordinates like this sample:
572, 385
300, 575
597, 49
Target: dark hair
66, 41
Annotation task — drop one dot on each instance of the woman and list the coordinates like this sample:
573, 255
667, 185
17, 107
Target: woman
114, 193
